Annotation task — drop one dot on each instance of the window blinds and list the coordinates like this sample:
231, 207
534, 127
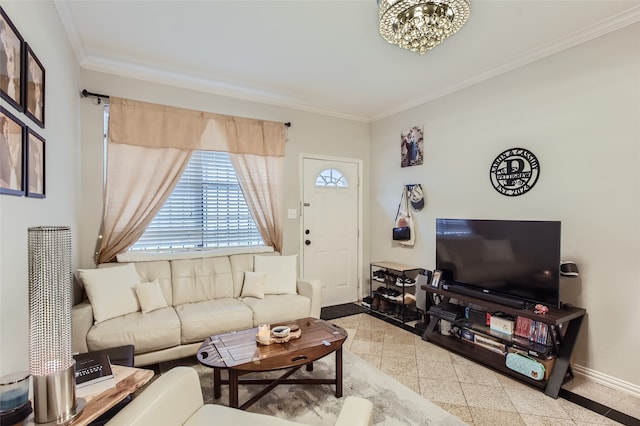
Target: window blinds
206, 209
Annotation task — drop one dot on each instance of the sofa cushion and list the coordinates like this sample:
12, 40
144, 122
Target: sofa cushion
160, 270
228, 416
239, 264
156, 330
282, 273
203, 319
110, 290
197, 280
278, 308
254, 283
150, 296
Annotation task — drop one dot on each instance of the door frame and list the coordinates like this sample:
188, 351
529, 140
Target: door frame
359, 254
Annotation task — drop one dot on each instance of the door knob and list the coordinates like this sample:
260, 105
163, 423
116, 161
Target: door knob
307, 242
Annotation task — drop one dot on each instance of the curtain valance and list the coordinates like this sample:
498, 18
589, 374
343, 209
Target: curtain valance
162, 126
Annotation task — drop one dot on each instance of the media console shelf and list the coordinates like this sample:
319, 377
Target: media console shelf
568, 319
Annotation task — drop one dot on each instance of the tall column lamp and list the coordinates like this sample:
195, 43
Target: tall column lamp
51, 362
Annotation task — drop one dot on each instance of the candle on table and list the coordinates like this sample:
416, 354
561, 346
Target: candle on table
264, 332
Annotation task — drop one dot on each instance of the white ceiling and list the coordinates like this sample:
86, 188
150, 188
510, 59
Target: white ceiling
324, 56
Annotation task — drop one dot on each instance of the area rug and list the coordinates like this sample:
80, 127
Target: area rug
394, 403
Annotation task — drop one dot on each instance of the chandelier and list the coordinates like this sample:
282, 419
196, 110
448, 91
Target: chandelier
421, 25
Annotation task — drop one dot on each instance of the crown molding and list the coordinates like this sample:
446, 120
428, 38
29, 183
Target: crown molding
185, 81
152, 74
70, 27
594, 31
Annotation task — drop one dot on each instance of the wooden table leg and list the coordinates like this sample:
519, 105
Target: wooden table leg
217, 387
233, 388
310, 366
339, 372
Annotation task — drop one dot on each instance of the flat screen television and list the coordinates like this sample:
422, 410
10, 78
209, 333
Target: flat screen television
517, 260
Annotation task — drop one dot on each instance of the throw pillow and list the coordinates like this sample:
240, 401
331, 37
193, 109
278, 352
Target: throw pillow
150, 296
254, 283
110, 290
282, 273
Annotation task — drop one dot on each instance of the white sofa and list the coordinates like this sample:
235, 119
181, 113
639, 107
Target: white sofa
175, 398
203, 297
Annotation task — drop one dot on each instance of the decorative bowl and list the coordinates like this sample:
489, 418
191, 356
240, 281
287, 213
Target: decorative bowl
280, 331
14, 390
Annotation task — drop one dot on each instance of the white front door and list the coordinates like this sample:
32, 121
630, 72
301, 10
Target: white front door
330, 224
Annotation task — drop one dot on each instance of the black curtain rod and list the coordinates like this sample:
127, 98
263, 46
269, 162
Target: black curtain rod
100, 97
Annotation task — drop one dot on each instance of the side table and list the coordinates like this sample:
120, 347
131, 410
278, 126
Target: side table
128, 380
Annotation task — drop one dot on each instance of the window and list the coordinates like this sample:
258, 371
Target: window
331, 177
206, 209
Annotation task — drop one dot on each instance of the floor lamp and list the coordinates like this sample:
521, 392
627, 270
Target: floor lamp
51, 362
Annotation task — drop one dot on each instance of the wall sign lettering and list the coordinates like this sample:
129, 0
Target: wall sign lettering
514, 172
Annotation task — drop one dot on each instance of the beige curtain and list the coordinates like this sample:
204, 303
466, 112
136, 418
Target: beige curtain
139, 180
149, 146
160, 126
262, 181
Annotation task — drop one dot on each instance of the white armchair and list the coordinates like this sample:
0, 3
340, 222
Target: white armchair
175, 398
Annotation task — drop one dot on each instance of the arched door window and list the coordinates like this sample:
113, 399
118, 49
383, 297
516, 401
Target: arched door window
331, 177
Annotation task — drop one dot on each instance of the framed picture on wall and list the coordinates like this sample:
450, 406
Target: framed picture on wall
12, 157
412, 147
11, 52
34, 83
35, 165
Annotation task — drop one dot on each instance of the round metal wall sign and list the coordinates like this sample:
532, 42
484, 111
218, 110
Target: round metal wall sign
514, 172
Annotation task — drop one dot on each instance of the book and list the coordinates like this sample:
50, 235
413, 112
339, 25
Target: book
536, 331
93, 373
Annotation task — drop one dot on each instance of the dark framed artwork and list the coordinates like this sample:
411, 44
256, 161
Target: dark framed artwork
36, 165
435, 278
11, 68
12, 158
34, 87
412, 147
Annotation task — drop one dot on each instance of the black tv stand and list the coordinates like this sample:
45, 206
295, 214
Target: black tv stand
478, 294
566, 323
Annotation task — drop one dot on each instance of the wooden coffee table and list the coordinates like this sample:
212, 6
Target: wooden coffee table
240, 354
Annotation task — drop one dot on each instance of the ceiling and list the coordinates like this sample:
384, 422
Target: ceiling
324, 56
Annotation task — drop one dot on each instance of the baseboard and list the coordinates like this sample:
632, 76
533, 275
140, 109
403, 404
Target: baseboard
606, 380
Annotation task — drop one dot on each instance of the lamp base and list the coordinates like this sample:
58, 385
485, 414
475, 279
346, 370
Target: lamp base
54, 397
77, 409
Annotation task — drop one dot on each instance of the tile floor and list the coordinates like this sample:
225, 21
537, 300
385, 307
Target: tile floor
474, 393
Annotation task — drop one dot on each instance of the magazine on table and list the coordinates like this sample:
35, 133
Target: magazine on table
93, 373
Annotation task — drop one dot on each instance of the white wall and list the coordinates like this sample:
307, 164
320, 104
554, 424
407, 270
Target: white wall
309, 133
579, 112
39, 25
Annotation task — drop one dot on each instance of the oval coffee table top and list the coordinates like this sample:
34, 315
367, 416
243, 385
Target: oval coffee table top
239, 350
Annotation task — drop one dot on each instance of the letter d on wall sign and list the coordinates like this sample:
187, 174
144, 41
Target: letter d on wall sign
514, 172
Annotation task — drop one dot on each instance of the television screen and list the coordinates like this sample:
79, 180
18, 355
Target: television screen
513, 258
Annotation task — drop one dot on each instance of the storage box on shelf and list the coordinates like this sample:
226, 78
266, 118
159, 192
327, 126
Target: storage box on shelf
392, 288
550, 339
